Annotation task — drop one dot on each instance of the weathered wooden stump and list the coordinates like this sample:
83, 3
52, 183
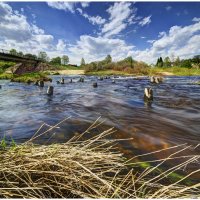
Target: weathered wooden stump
62, 81
148, 94
70, 81
156, 79
95, 85
36, 82
113, 81
58, 82
50, 90
100, 78
0, 86
81, 79
41, 83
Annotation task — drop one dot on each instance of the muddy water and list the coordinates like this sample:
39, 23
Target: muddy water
173, 118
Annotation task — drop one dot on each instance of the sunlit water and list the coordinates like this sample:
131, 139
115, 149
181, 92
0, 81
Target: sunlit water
173, 118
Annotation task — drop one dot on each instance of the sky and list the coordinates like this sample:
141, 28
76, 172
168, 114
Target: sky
92, 30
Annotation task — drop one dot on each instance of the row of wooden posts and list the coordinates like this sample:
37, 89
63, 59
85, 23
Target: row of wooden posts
148, 92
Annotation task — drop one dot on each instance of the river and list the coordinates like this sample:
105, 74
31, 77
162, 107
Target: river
173, 117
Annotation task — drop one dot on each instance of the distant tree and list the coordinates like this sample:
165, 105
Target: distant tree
31, 56
20, 54
13, 52
65, 59
82, 62
159, 62
177, 62
129, 60
167, 62
196, 59
108, 59
56, 61
186, 63
43, 56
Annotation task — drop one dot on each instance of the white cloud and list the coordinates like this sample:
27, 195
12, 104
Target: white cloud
120, 14
92, 19
96, 48
142, 37
168, 8
145, 21
85, 4
179, 41
61, 45
62, 5
195, 19
16, 32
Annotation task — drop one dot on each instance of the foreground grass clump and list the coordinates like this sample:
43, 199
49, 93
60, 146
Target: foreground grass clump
26, 78
88, 168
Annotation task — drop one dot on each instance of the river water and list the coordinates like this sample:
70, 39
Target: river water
173, 117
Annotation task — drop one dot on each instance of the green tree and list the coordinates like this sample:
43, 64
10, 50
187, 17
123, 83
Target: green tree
43, 56
65, 59
159, 62
167, 62
129, 60
177, 61
82, 62
13, 52
108, 59
56, 61
31, 56
20, 54
186, 63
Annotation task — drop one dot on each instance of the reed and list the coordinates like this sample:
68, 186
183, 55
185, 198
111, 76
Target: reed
87, 168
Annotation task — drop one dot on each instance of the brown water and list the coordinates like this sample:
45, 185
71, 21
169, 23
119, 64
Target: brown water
173, 117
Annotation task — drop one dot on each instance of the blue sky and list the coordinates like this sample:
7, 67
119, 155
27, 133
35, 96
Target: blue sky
143, 30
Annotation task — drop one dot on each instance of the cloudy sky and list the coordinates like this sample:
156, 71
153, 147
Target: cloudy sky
143, 30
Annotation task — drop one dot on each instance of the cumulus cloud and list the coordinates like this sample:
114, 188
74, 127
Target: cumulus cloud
179, 41
195, 19
62, 5
96, 48
145, 21
16, 32
61, 45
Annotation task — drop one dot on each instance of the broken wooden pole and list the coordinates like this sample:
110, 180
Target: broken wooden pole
62, 81
95, 85
50, 90
148, 94
41, 83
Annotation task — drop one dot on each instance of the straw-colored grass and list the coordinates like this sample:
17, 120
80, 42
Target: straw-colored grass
88, 168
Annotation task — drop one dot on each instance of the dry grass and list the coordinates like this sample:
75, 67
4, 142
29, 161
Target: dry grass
89, 168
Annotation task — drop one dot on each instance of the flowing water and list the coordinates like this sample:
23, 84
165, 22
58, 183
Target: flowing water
173, 117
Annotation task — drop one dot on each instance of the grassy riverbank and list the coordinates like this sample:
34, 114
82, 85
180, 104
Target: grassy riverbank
87, 168
151, 71
26, 78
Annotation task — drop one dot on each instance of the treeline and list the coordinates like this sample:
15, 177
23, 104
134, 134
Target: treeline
177, 62
64, 60
127, 65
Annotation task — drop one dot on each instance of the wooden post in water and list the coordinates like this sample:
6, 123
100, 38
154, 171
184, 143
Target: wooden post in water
50, 90
41, 83
95, 85
148, 94
62, 81
0, 86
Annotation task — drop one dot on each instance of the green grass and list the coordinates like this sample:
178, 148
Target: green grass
108, 72
179, 71
28, 77
66, 67
4, 65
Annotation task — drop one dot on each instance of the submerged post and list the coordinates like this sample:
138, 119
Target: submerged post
95, 85
41, 83
148, 94
156, 79
50, 90
0, 86
62, 81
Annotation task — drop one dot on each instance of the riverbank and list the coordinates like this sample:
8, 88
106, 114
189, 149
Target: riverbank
153, 71
26, 78
86, 168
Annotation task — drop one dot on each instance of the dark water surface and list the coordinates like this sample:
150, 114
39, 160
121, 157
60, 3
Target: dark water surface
173, 118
